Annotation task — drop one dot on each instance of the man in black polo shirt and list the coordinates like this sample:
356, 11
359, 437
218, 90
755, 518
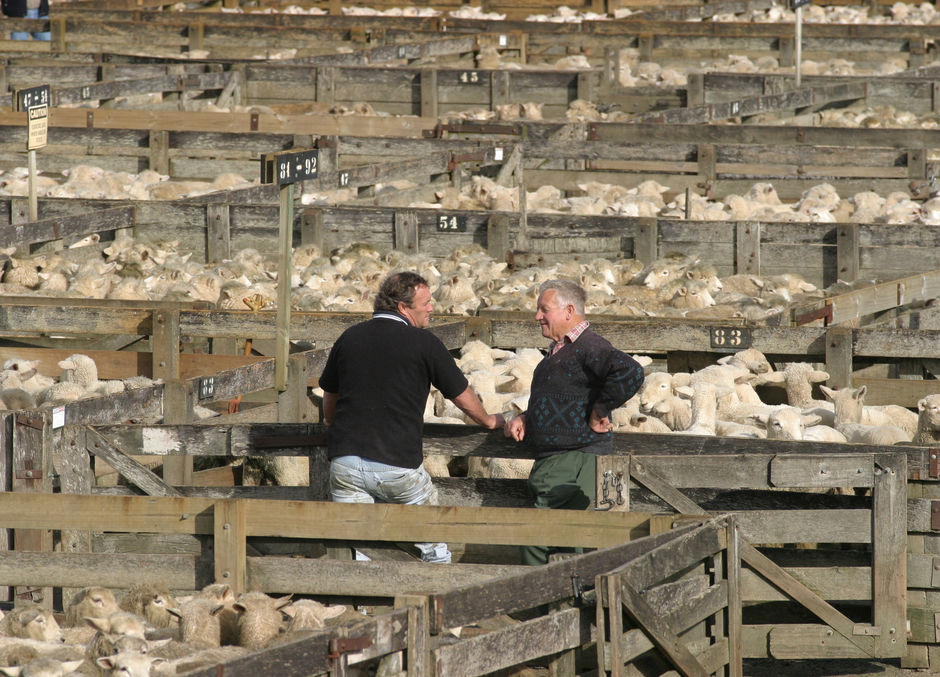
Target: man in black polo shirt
375, 385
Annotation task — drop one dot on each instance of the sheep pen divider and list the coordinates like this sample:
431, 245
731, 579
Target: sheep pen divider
706, 550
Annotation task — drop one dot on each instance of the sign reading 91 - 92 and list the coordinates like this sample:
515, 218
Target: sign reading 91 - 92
452, 223
290, 166
35, 102
729, 338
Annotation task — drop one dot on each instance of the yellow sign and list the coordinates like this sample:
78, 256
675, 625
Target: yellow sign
37, 127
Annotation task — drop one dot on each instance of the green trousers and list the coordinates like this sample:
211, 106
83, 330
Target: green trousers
564, 482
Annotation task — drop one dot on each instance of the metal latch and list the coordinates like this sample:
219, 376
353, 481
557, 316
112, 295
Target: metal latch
348, 645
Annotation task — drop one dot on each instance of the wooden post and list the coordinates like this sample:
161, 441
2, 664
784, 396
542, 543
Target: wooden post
196, 35
497, 236
747, 247
285, 239
177, 470
218, 233
733, 578
889, 552
429, 105
57, 30
706, 161
646, 240
6, 484
160, 151
406, 232
32, 467
72, 464
229, 543
325, 85
917, 163
292, 403
311, 228
847, 252
612, 66
839, 352
695, 90
614, 623
419, 641
586, 85
645, 45
499, 88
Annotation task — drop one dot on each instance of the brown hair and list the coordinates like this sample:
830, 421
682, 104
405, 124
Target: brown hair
398, 288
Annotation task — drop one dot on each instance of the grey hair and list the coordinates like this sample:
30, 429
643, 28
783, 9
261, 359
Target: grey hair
566, 292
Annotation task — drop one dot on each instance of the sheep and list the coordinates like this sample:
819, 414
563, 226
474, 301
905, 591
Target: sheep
199, 622
92, 602
662, 397
308, 614
704, 408
150, 602
853, 409
119, 623
848, 410
31, 622
42, 667
259, 618
129, 664
105, 644
789, 423
798, 378
928, 421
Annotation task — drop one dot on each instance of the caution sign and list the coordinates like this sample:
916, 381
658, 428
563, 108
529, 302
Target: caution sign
37, 127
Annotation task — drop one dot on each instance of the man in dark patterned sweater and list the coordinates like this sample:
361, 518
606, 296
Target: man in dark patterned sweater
574, 388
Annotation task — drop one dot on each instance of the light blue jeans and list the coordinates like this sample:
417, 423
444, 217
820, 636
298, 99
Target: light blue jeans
42, 35
354, 479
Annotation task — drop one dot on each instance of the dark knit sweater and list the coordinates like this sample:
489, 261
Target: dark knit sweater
589, 374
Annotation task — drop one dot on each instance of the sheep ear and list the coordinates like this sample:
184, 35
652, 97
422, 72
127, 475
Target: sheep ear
811, 419
828, 392
758, 418
29, 616
281, 602
333, 611
922, 404
176, 612
239, 607
100, 624
684, 391
860, 393
818, 376
105, 662
725, 359
771, 377
212, 612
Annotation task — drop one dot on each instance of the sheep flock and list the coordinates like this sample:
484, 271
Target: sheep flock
148, 631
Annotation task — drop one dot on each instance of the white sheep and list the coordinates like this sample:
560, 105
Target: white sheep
848, 410
42, 667
928, 421
789, 423
663, 398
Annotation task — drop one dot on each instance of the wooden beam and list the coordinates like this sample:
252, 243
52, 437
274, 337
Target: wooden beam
129, 468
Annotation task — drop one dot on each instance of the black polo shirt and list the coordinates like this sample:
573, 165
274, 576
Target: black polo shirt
382, 369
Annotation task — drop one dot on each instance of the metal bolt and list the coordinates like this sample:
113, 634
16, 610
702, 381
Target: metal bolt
226, 526
225, 574
29, 473
185, 516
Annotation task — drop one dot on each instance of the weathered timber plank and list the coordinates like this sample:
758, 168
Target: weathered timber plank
557, 631
832, 583
378, 579
538, 586
802, 641
68, 227
309, 655
126, 466
114, 570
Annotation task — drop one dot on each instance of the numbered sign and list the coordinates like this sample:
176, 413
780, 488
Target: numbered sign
32, 97
206, 387
35, 102
290, 166
729, 339
343, 179
451, 224
470, 78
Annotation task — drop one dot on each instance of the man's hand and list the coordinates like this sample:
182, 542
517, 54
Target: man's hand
600, 424
515, 428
